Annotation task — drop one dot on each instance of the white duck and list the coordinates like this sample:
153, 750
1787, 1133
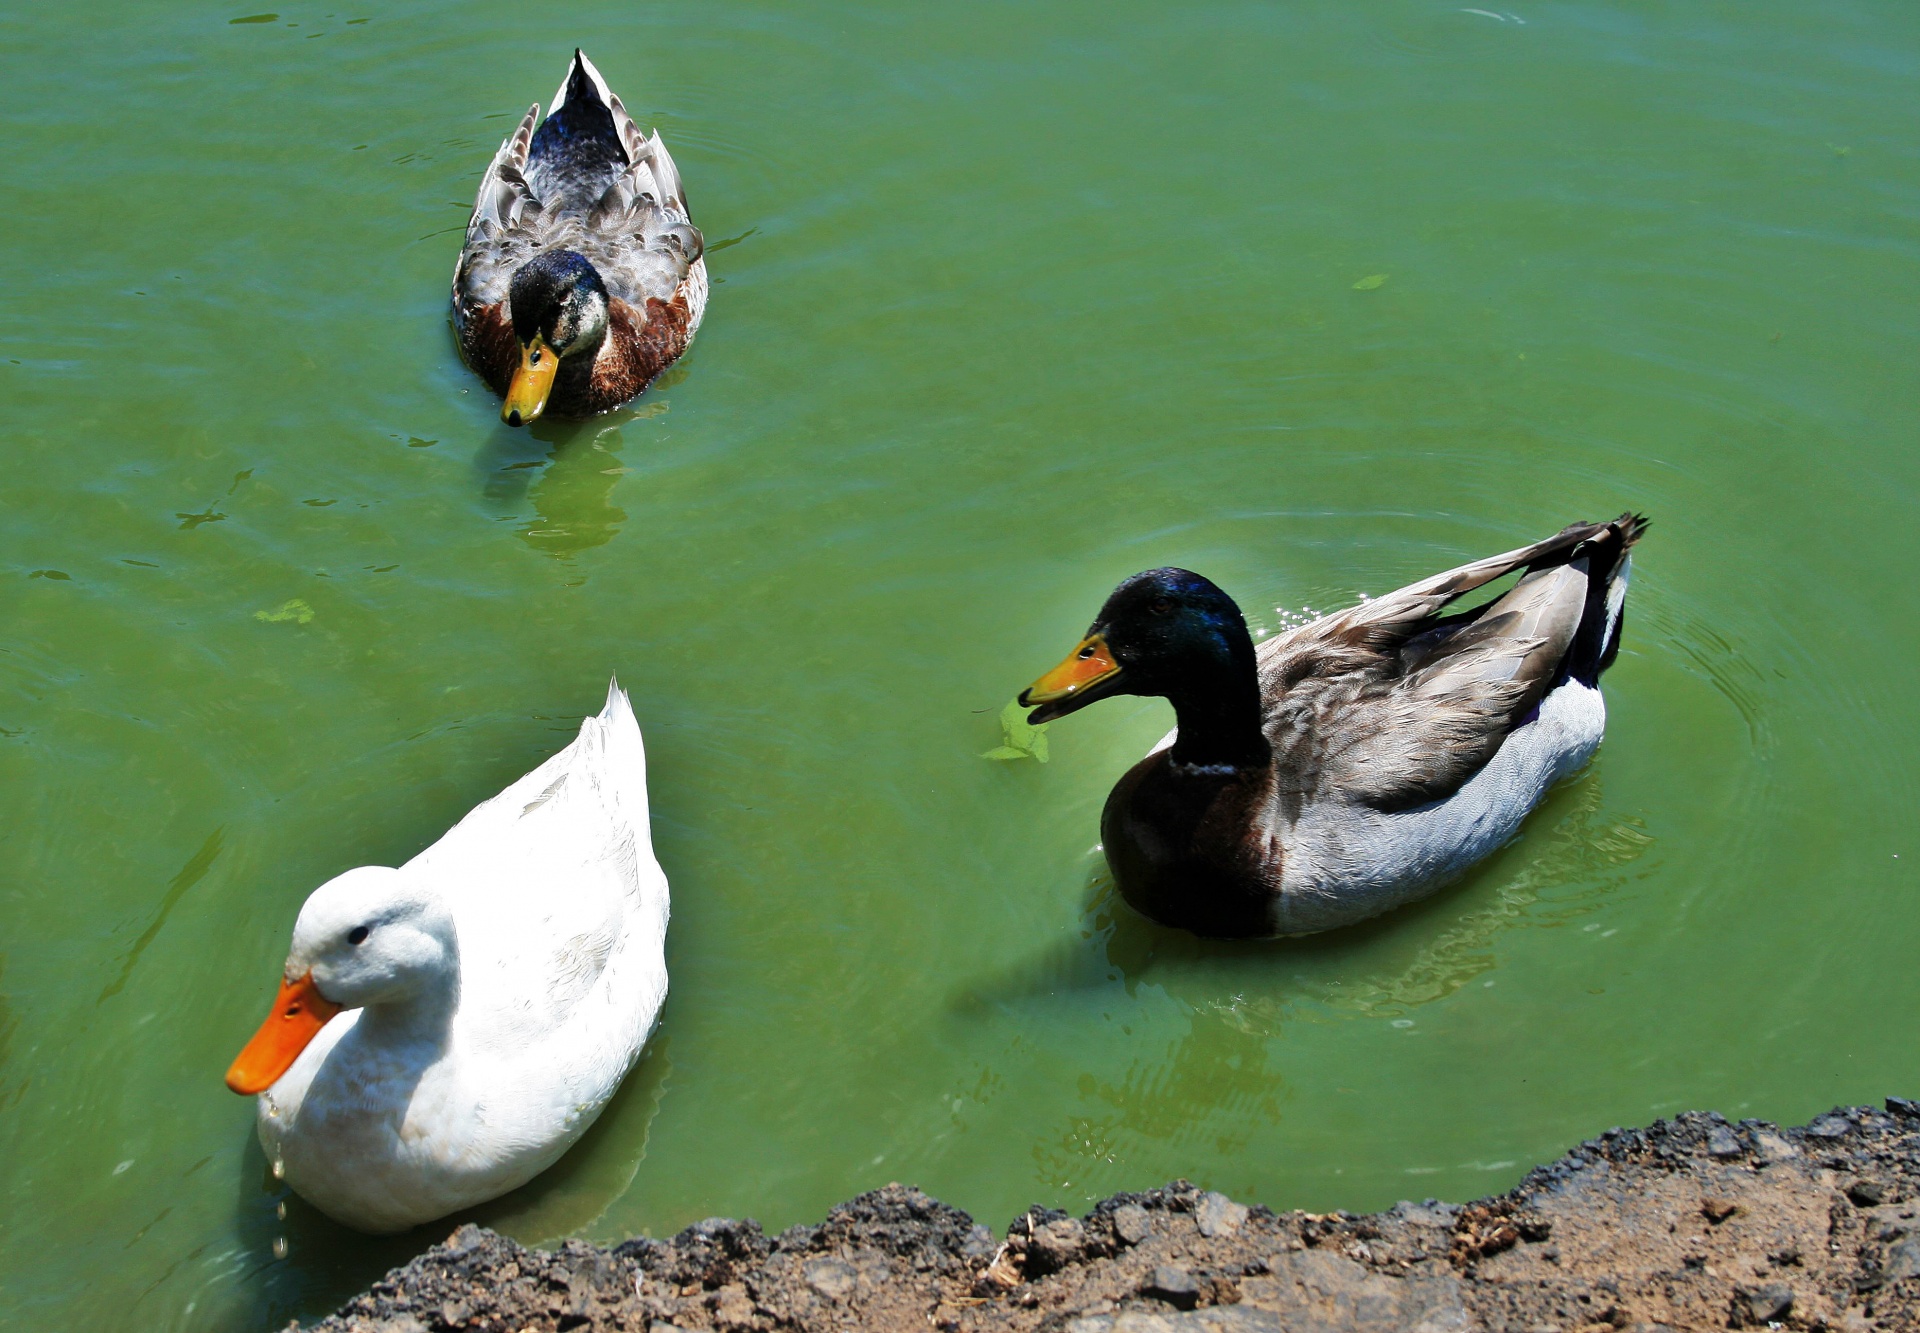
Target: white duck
445, 1031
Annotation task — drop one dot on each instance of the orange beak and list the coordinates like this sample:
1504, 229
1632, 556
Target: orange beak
299, 1012
1066, 687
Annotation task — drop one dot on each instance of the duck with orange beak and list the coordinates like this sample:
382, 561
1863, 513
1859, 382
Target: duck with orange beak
444, 1031
1354, 764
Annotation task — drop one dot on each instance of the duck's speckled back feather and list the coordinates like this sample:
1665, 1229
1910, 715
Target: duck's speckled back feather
586, 179
1389, 704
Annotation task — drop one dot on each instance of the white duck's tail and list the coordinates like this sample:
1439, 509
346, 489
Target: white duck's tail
610, 750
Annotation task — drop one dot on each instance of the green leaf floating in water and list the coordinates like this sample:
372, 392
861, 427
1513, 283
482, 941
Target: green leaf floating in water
1371, 281
296, 610
1020, 741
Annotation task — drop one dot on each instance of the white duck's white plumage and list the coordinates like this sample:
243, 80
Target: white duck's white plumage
528, 948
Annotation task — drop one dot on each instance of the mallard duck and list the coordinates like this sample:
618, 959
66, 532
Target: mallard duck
1355, 763
581, 278
446, 1030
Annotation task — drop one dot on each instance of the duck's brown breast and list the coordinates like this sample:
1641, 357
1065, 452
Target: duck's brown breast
638, 347
488, 344
1192, 850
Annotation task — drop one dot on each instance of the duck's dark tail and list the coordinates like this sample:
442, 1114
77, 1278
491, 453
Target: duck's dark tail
579, 138
1607, 552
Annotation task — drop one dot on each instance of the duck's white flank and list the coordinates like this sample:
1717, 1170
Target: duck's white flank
485, 1061
1347, 861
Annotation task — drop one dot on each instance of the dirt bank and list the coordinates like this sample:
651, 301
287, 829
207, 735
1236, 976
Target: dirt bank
1694, 1223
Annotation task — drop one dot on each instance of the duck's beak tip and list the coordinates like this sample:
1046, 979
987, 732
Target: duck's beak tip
1073, 684
299, 1012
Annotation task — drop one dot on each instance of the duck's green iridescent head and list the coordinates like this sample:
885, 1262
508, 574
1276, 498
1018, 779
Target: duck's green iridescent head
1161, 632
558, 306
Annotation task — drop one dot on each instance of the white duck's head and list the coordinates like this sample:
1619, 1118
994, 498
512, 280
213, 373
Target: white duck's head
369, 937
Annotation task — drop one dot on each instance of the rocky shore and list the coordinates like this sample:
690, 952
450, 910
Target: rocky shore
1693, 1223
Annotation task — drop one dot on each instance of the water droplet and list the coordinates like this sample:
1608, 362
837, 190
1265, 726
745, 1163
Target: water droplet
279, 1168
279, 1247
123, 1166
280, 1210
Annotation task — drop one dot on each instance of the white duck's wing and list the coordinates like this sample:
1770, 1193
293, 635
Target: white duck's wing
1393, 705
551, 882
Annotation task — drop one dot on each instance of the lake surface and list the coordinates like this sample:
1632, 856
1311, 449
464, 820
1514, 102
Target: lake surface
1010, 302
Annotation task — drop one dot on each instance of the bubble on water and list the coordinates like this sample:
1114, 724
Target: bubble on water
123, 1166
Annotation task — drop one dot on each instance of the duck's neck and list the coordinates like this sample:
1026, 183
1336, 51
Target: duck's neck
423, 1019
575, 376
1219, 713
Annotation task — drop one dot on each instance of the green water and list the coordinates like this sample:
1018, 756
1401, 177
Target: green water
1023, 300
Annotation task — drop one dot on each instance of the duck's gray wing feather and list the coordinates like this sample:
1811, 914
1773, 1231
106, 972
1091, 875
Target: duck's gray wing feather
504, 228
1392, 705
639, 234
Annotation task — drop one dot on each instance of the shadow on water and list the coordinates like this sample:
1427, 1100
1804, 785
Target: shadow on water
567, 471
1570, 856
507, 458
1214, 1084
331, 1262
1198, 1072
573, 499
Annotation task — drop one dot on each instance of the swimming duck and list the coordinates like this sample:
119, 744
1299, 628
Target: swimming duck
1355, 763
446, 1030
581, 278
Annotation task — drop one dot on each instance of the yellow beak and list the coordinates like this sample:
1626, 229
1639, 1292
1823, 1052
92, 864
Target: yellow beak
527, 395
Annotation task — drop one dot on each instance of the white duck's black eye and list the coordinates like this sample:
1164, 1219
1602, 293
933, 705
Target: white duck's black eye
357, 935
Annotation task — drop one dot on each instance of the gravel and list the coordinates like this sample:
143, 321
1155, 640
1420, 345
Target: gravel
1691, 1223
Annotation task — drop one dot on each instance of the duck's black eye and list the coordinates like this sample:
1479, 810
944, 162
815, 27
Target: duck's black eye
358, 935
1160, 605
